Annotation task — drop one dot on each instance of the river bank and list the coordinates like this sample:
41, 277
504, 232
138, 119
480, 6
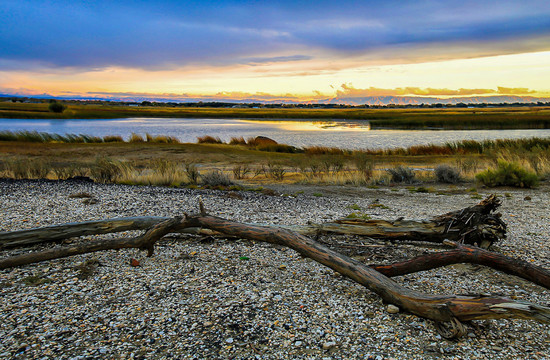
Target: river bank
200, 299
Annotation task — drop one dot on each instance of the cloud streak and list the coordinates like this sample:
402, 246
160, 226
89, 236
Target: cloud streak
172, 34
348, 91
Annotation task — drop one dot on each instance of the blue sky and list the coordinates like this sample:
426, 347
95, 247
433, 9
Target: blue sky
55, 37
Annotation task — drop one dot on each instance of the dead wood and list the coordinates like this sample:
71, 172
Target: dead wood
476, 224
443, 308
470, 255
143, 242
471, 225
446, 308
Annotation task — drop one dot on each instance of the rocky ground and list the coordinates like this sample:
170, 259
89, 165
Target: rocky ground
200, 298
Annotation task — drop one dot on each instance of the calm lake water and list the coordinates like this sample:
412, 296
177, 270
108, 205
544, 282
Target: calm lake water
343, 134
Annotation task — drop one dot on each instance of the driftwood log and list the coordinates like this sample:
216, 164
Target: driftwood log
451, 309
476, 224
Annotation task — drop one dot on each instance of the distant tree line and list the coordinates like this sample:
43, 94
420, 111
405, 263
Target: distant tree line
221, 104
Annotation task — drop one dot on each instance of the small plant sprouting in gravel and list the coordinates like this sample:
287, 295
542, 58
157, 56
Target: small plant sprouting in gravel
35, 280
317, 194
80, 195
354, 207
358, 215
87, 268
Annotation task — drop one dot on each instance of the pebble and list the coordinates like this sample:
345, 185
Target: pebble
392, 309
202, 306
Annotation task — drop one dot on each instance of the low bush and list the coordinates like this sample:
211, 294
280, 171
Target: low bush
240, 171
402, 174
275, 171
215, 178
56, 107
508, 174
446, 174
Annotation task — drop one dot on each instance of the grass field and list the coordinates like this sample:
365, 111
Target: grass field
417, 118
156, 162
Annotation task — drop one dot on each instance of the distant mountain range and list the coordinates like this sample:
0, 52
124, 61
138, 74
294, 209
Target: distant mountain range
369, 100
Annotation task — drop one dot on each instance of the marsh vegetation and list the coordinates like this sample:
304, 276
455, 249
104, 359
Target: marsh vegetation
160, 160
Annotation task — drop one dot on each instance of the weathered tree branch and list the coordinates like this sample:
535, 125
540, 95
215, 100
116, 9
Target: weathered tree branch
143, 242
435, 307
475, 224
471, 255
442, 308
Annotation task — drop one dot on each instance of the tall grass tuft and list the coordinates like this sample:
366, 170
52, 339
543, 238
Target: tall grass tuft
324, 150
161, 139
237, 141
112, 138
136, 138
207, 139
192, 173
106, 170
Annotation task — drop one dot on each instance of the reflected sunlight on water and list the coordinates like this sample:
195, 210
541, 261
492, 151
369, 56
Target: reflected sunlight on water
343, 134
314, 125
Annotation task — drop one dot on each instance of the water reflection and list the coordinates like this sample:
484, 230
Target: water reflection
319, 125
343, 134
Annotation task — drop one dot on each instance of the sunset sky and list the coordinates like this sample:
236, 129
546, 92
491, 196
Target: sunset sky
268, 50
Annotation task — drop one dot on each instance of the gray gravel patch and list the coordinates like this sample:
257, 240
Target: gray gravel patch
197, 299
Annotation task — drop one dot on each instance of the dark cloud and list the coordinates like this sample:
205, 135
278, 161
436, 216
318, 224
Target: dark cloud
165, 34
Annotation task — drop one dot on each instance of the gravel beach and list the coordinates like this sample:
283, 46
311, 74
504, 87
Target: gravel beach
200, 298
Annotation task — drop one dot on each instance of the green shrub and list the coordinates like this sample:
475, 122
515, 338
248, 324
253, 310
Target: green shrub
508, 174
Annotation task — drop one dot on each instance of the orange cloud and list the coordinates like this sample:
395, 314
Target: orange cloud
347, 90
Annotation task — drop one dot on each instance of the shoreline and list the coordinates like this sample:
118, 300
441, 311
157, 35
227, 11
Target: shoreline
199, 299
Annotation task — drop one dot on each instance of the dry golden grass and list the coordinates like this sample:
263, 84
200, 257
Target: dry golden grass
169, 164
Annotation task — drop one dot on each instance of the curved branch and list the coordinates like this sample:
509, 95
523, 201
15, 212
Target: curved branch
472, 255
435, 307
